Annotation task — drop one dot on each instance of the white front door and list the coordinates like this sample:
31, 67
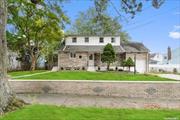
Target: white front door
91, 60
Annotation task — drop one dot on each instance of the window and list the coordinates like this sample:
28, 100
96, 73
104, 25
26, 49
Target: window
80, 57
91, 57
101, 40
86, 39
74, 39
72, 55
112, 40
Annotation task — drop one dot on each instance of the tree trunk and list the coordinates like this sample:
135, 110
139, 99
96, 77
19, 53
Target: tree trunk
108, 65
6, 94
33, 62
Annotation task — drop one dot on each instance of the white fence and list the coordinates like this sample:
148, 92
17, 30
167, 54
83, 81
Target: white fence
164, 68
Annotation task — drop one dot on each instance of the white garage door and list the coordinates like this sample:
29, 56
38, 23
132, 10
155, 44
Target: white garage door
140, 65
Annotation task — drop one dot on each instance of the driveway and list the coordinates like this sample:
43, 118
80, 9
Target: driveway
170, 76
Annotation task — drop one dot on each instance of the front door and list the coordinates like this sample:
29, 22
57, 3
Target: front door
91, 59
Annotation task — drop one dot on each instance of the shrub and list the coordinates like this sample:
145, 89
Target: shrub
83, 68
129, 62
99, 68
108, 55
174, 70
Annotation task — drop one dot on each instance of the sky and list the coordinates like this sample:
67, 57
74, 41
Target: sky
155, 28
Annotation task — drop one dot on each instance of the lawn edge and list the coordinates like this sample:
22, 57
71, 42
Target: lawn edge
96, 81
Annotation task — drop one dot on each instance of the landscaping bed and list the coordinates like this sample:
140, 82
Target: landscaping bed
45, 112
84, 75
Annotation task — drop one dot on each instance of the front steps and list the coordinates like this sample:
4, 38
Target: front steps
91, 69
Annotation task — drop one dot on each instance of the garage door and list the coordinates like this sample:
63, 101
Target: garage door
140, 65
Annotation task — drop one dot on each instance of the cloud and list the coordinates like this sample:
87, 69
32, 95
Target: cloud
176, 27
177, 13
174, 35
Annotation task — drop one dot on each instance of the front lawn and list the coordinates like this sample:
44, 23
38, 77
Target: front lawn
45, 112
20, 73
84, 75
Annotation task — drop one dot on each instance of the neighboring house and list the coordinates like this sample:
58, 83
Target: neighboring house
81, 52
13, 63
159, 62
157, 58
175, 58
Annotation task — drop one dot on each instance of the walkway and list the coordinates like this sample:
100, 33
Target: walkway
22, 76
98, 101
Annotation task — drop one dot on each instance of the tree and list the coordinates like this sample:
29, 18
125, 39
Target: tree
129, 63
5, 91
169, 54
108, 55
8, 100
128, 6
88, 24
34, 29
123, 63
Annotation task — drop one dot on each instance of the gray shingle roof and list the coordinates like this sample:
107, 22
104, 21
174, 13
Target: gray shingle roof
124, 47
134, 47
82, 48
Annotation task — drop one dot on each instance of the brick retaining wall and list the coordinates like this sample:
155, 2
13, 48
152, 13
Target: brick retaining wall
164, 90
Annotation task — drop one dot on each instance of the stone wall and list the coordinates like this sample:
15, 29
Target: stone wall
65, 61
156, 90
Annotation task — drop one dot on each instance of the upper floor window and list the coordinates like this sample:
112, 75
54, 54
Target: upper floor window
101, 40
86, 39
112, 40
74, 40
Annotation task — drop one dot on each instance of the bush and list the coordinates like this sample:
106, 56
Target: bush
129, 62
99, 68
83, 68
174, 70
109, 55
111, 69
116, 68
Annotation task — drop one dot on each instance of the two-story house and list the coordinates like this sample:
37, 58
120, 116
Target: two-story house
80, 52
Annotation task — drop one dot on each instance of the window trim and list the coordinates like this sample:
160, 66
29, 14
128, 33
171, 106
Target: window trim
74, 38
72, 55
113, 40
101, 38
86, 38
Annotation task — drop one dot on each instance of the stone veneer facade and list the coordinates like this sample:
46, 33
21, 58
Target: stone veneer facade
66, 62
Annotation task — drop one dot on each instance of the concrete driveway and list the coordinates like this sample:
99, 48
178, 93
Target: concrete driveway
170, 76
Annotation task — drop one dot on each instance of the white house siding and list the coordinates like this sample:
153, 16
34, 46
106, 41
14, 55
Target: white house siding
13, 63
92, 41
141, 61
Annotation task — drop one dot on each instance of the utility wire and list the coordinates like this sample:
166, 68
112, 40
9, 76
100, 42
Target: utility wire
117, 11
146, 23
169, 10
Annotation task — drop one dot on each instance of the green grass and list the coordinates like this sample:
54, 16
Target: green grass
83, 75
45, 112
